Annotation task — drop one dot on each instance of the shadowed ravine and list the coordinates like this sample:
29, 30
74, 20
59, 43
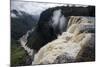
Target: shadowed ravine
23, 41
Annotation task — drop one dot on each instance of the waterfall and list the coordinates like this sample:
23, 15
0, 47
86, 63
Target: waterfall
71, 45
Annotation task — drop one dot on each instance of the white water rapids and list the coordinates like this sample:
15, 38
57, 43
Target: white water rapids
23, 41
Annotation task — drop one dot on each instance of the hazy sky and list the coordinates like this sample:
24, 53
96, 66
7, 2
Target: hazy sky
33, 7
30, 7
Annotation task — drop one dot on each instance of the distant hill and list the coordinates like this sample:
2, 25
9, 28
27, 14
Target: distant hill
21, 22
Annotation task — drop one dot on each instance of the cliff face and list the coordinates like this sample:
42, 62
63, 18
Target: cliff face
53, 22
76, 44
